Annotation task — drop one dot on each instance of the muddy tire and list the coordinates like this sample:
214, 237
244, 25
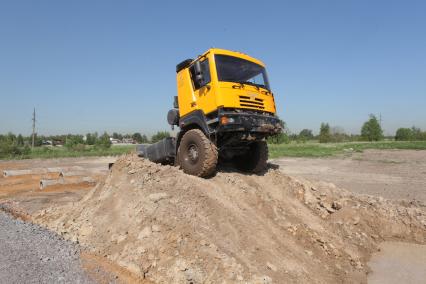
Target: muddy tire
255, 159
196, 154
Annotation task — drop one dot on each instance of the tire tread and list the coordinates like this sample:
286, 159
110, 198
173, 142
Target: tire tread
209, 164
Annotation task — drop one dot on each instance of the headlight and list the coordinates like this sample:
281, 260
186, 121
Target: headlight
224, 120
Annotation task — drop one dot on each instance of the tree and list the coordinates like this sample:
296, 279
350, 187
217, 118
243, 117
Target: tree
416, 133
371, 130
11, 137
9, 147
410, 134
279, 139
38, 140
91, 138
159, 136
338, 134
282, 137
72, 141
137, 137
324, 136
118, 136
306, 134
144, 139
292, 136
403, 134
140, 138
20, 140
104, 141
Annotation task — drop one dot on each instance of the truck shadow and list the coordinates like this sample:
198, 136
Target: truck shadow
228, 167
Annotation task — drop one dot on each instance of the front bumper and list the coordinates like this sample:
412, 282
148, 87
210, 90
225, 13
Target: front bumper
250, 122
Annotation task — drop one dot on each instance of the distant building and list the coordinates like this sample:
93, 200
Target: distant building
128, 141
114, 141
58, 143
47, 143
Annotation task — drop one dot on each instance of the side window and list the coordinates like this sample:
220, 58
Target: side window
206, 74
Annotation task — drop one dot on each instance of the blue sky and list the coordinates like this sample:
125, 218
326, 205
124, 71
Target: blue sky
110, 65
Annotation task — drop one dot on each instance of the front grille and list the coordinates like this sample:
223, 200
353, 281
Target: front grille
256, 103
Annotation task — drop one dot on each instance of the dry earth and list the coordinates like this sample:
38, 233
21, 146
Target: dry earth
20, 196
24, 190
397, 263
168, 227
393, 174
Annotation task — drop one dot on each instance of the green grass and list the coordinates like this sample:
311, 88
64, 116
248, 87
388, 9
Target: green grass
314, 149
309, 149
88, 151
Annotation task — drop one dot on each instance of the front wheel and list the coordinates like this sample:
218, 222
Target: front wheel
255, 159
197, 155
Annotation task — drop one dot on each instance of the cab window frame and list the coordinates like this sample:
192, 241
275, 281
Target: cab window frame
207, 78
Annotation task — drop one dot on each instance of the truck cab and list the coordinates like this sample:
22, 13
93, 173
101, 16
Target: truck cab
228, 79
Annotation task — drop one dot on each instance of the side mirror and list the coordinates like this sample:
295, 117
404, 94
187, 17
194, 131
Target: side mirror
198, 72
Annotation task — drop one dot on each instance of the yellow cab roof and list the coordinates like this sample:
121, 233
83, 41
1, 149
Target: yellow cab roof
235, 54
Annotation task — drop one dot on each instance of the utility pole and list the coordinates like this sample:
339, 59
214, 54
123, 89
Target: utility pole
34, 121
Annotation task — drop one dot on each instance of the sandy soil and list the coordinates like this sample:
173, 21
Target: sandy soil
166, 226
85, 162
393, 174
398, 263
25, 192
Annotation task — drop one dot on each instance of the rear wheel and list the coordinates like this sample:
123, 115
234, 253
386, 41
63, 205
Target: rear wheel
197, 155
254, 159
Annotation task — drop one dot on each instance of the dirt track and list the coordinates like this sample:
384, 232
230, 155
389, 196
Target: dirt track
393, 174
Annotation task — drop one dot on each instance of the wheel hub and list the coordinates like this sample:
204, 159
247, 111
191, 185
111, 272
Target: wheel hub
193, 153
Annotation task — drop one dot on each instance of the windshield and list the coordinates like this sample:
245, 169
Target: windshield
234, 69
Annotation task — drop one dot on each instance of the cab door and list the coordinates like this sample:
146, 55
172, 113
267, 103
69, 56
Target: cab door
203, 95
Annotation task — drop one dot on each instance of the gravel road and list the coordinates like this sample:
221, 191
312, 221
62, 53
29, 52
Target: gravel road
32, 254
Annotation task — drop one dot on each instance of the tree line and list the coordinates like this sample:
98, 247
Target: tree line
371, 130
12, 145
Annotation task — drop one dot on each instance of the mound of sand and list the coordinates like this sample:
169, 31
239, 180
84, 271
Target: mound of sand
169, 227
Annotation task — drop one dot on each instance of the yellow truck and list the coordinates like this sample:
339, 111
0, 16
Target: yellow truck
225, 110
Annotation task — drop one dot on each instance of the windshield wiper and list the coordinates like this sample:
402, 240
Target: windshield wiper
264, 87
248, 83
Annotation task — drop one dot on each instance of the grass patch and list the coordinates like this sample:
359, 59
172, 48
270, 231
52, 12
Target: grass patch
63, 152
313, 149
309, 149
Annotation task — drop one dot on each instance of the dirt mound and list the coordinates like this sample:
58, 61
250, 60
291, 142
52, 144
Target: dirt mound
170, 227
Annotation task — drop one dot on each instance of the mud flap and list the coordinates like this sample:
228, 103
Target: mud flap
163, 151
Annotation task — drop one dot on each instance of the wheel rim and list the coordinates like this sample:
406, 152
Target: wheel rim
193, 154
